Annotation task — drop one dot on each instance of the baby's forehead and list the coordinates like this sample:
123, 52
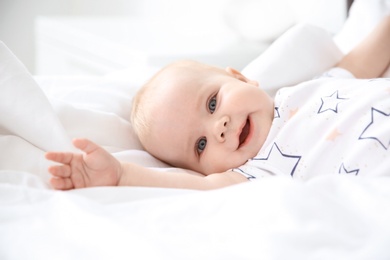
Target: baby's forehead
175, 80
175, 83
183, 77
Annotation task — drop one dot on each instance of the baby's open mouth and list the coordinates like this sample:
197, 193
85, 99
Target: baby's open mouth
244, 133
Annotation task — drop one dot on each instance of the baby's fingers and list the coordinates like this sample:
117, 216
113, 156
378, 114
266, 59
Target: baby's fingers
61, 183
59, 157
85, 145
62, 171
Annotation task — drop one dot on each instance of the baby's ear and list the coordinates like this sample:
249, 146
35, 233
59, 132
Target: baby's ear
235, 73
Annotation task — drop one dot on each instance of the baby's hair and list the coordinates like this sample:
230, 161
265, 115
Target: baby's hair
139, 110
141, 105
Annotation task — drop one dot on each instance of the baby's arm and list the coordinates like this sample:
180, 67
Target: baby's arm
371, 57
135, 175
96, 167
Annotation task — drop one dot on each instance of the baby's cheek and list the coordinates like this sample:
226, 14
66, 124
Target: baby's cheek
221, 162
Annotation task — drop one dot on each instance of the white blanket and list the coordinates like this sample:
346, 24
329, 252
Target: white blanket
35, 120
327, 218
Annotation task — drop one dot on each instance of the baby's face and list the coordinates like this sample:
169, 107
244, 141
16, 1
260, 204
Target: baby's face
209, 122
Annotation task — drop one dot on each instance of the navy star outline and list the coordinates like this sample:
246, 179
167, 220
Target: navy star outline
327, 103
247, 175
277, 152
343, 170
371, 124
276, 113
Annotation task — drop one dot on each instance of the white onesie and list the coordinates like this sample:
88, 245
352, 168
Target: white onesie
335, 124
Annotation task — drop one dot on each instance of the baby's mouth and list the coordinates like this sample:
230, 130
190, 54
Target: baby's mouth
244, 132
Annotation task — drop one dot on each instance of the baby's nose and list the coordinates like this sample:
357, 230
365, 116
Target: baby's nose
220, 128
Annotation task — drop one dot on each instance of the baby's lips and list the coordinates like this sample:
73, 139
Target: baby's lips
245, 131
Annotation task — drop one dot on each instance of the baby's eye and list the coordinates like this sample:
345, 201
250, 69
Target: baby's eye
201, 145
212, 104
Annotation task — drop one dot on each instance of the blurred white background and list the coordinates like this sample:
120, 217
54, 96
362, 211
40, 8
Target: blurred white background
100, 36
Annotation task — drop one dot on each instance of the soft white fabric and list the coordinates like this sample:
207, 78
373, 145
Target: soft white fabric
300, 54
332, 125
259, 20
278, 218
34, 120
28, 124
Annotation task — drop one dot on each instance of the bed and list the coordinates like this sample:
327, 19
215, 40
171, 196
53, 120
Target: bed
328, 217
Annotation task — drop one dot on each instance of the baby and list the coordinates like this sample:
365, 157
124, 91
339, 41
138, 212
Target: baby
224, 126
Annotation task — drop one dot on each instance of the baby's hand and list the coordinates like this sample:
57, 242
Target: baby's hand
96, 167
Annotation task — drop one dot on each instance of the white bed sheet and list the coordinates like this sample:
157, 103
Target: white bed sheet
277, 218
326, 218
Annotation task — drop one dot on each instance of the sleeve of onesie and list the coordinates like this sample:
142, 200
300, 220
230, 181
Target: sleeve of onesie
253, 172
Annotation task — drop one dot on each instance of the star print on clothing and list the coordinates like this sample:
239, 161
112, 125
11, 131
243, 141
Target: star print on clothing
374, 129
333, 135
276, 113
343, 170
331, 102
292, 112
285, 162
247, 175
